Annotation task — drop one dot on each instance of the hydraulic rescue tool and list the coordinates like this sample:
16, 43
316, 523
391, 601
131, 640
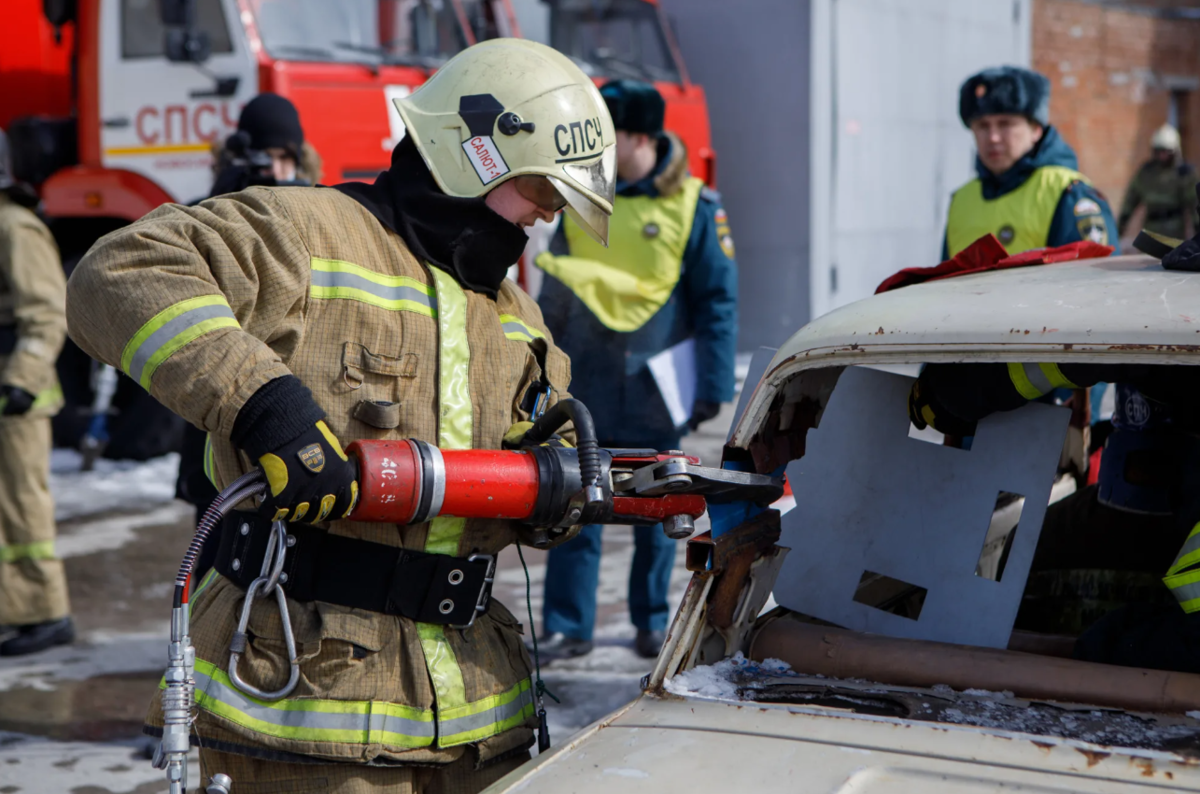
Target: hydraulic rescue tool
550, 488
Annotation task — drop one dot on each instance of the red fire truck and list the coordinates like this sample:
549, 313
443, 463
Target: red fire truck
112, 106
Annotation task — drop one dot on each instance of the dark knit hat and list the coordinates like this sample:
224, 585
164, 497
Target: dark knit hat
272, 121
634, 106
1005, 89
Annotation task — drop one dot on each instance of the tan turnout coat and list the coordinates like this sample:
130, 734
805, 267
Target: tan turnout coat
268, 253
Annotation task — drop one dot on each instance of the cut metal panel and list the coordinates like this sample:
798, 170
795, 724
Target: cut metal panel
869, 498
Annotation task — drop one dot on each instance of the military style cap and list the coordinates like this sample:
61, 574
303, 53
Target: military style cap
506, 107
635, 106
1005, 89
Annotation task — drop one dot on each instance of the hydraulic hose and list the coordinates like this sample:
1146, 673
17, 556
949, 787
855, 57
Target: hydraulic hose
249, 484
573, 411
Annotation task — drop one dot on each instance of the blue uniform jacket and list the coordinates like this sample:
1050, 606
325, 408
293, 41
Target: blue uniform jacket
1051, 150
609, 372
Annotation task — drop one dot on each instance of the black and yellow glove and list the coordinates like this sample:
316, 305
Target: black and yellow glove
15, 401
925, 410
514, 437
309, 476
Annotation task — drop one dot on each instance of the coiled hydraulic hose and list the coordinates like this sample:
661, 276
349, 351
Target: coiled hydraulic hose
249, 484
577, 413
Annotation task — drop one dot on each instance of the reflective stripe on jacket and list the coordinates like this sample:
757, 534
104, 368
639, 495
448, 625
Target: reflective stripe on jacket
207, 303
1183, 577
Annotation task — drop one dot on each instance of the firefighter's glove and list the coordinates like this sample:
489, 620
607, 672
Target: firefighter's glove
15, 401
702, 411
514, 438
925, 410
309, 476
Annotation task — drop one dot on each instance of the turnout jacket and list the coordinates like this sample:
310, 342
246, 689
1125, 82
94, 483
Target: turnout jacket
33, 322
203, 305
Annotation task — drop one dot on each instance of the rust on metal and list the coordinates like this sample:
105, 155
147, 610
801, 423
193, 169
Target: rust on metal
1093, 756
733, 554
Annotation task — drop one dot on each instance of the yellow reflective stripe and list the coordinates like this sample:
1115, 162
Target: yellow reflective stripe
41, 550
210, 461
314, 719
1189, 555
336, 279
1186, 589
169, 330
515, 328
48, 397
455, 431
456, 416
487, 716
1037, 380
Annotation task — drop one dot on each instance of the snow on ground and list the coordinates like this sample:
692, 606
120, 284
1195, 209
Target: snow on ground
33, 764
114, 485
97, 653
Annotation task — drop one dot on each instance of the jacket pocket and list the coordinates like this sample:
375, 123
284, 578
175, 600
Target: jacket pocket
382, 376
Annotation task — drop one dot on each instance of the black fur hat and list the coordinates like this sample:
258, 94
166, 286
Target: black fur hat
1005, 89
634, 106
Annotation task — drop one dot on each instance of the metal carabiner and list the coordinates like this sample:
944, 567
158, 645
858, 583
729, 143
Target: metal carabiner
267, 582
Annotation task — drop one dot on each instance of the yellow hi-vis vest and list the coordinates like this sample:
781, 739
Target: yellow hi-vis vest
1020, 219
625, 284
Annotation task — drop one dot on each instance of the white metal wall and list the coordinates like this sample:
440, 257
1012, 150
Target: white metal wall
888, 147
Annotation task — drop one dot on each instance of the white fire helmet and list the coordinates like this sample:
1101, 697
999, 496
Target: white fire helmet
506, 107
1166, 138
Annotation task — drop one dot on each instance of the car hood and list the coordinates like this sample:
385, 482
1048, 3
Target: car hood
700, 745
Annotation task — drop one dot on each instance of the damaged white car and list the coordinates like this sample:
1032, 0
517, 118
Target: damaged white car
937, 597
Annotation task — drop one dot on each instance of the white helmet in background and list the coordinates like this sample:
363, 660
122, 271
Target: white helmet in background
507, 107
1166, 138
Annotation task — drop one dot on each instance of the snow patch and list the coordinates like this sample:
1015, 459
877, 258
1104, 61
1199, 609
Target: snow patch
113, 533
114, 485
636, 773
728, 679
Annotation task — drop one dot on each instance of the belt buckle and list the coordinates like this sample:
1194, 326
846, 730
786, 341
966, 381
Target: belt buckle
485, 590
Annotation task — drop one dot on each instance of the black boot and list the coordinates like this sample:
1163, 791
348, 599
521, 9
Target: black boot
39, 636
649, 643
557, 646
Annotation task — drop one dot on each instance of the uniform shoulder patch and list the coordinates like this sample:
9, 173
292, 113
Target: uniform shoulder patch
1093, 229
724, 236
1087, 206
709, 194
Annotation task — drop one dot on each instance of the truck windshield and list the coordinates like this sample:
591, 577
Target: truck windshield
613, 38
410, 32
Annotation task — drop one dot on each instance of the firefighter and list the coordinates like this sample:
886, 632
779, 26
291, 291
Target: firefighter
1165, 188
287, 321
33, 585
1105, 552
667, 275
1028, 192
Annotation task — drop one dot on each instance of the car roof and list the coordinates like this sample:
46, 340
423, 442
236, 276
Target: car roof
1124, 309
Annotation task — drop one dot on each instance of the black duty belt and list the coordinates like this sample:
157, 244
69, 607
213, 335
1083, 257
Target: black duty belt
1164, 214
8, 339
429, 588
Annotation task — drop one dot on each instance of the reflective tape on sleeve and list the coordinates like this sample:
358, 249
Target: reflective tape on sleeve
170, 330
516, 329
1037, 380
41, 550
335, 279
1183, 577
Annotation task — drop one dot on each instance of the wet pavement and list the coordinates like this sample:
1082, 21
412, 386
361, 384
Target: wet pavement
70, 718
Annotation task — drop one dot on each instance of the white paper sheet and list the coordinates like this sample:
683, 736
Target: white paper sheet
674, 372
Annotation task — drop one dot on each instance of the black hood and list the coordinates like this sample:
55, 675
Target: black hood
461, 236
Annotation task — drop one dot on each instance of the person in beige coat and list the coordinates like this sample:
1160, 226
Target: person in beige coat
289, 321
33, 587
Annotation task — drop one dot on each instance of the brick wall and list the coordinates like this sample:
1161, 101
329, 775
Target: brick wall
1113, 67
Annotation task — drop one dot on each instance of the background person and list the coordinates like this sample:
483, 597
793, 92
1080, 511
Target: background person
33, 324
667, 274
1028, 192
1162, 192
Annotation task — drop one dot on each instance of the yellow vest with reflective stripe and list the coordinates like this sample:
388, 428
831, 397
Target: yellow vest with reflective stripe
625, 284
1020, 219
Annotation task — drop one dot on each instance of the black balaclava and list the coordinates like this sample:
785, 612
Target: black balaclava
272, 121
462, 236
